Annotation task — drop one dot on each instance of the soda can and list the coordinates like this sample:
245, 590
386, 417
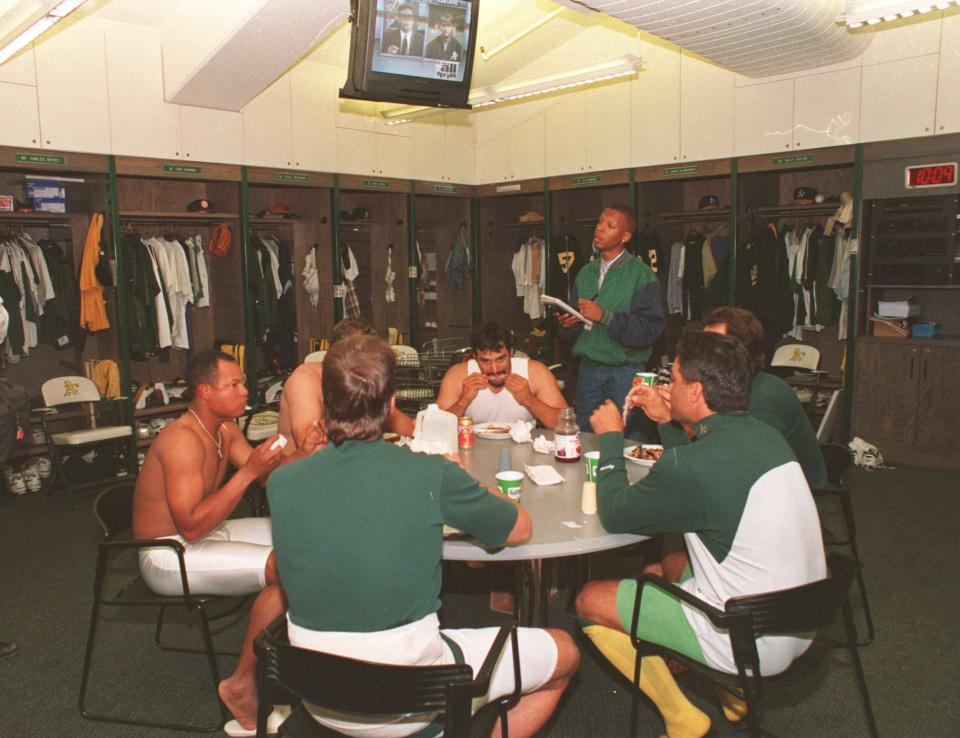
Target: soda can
465, 438
647, 378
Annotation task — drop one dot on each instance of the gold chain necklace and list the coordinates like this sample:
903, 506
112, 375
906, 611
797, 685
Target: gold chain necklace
218, 441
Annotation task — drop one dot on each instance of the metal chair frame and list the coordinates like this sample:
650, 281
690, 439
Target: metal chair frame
361, 687
838, 462
113, 510
806, 608
80, 391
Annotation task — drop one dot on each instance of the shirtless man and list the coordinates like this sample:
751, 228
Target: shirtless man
301, 402
180, 494
495, 387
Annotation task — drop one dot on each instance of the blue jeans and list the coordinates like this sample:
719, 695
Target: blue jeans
595, 384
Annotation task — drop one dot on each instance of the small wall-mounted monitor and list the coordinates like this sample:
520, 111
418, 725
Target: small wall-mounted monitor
418, 53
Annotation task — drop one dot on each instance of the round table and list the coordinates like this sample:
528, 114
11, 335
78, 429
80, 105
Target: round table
560, 529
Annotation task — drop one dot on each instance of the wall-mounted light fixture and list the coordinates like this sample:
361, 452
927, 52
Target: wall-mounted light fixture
620, 66
50, 14
859, 13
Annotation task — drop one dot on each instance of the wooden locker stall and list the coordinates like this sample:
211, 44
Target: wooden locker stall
576, 202
767, 184
373, 222
152, 199
62, 346
502, 234
669, 200
294, 209
444, 312
83, 177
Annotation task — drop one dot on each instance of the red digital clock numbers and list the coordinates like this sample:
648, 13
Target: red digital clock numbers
931, 175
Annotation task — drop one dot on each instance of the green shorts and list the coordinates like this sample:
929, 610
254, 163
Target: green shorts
661, 618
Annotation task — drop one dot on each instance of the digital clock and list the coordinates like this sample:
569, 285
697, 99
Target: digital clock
931, 175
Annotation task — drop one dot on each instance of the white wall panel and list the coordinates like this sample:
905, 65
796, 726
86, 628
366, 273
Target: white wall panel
72, 89
211, 135
948, 78
655, 107
314, 105
898, 98
20, 120
763, 118
141, 123
706, 110
609, 126
267, 127
827, 109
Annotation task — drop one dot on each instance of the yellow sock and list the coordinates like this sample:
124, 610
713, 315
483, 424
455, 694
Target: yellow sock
734, 708
683, 719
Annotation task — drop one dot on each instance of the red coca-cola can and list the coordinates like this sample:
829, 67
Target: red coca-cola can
465, 438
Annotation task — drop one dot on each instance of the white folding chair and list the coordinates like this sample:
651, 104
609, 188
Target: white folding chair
799, 358
57, 394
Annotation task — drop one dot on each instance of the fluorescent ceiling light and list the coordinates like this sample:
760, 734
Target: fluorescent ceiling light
859, 13
27, 32
621, 66
487, 54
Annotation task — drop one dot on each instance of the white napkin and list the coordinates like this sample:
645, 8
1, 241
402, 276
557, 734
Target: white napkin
543, 445
520, 431
543, 475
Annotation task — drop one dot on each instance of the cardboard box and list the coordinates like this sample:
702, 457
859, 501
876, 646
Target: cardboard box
898, 309
50, 206
6, 203
888, 328
43, 189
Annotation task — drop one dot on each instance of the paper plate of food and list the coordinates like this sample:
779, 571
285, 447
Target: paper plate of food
492, 431
644, 454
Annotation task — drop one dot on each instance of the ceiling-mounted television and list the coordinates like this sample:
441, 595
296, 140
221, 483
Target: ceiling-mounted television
417, 52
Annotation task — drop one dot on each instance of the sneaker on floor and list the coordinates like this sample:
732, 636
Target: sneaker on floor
16, 484
31, 478
45, 467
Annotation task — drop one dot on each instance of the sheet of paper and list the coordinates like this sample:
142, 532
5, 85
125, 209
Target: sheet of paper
548, 300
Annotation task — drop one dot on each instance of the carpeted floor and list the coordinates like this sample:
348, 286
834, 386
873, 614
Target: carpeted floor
908, 533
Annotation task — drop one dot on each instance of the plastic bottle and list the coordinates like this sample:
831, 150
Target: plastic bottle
566, 437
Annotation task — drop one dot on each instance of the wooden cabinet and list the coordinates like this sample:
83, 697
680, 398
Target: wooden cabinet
905, 399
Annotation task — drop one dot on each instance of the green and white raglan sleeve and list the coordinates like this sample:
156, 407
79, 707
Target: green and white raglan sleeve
667, 499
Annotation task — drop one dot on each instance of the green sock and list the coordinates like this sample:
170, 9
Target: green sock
683, 719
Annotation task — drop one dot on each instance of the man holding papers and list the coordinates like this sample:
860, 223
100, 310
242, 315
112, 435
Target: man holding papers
620, 295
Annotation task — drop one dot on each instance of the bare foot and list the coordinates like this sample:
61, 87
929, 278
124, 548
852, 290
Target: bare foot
241, 701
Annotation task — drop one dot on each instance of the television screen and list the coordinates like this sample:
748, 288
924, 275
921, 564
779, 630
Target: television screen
418, 52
